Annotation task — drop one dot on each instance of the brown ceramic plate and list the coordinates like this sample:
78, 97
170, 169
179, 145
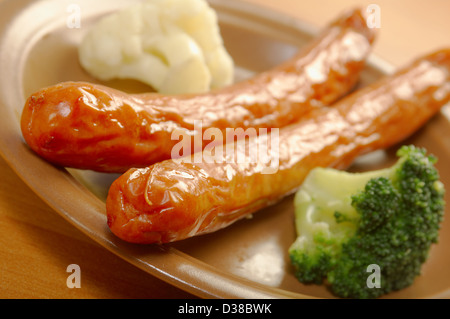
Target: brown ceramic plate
38, 47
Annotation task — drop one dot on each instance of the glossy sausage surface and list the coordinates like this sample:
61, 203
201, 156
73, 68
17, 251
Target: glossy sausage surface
174, 199
89, 126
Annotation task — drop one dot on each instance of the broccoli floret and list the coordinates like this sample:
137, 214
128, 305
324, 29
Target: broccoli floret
347, 221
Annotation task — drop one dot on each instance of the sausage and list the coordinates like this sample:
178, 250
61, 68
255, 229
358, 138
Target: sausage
90, 126
180, 198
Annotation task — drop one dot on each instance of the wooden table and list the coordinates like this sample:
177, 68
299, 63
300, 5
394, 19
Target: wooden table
37, 245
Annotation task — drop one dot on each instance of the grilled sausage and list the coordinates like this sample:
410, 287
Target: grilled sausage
179, 198
89, 126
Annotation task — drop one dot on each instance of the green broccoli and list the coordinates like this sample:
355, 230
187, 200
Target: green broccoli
347, 221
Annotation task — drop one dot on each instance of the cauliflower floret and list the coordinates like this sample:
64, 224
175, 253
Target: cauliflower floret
174, 46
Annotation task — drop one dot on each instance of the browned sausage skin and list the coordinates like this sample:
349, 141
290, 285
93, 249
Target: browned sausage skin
90, 126
174, 199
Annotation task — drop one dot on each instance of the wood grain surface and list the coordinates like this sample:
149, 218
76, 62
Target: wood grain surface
37, 245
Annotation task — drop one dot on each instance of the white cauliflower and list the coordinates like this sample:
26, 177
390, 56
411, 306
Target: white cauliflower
174, 46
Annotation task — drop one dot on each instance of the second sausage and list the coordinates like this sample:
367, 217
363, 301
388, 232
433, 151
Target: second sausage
89, 126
